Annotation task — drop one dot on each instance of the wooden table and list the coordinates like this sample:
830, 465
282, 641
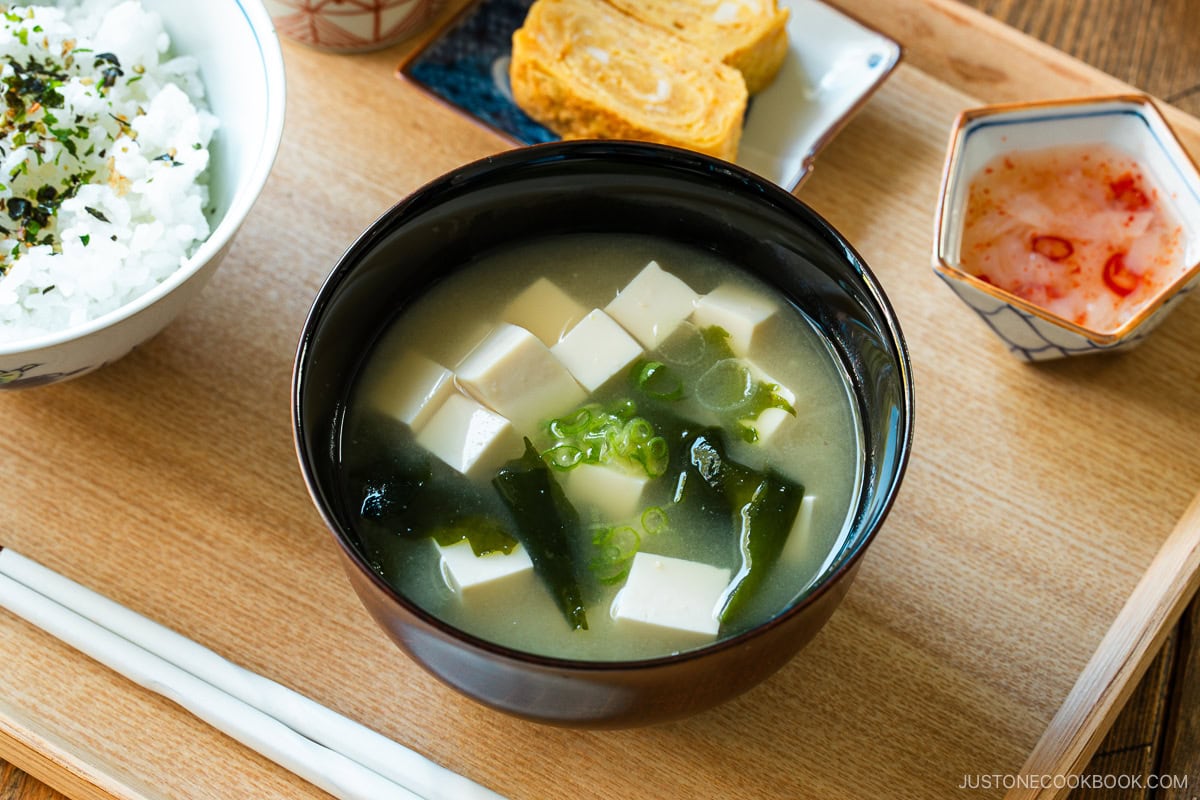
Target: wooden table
1151, 44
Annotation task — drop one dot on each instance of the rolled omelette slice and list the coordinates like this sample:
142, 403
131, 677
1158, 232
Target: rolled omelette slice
586, 70
748, 35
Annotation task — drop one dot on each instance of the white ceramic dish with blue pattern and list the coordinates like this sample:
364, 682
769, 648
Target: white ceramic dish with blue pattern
834, 64
1131, 123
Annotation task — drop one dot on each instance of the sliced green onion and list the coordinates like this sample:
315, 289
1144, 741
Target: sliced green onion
656, 453
625, 410
654, 520
564, 456
608, 553
615, 548
619, 573
725, 386
686, 346
638, 431
625, 539
572, 424
657, 380
594, 435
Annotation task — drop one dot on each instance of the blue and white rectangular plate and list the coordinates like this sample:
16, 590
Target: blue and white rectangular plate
834, 64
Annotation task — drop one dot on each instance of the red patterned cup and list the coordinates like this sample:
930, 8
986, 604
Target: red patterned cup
350, 26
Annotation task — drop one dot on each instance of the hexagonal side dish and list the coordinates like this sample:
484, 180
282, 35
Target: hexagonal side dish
1129, 123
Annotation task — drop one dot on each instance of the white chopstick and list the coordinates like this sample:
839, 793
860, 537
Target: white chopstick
344, 758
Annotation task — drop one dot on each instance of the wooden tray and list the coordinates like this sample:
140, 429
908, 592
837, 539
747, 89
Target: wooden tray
1035, 499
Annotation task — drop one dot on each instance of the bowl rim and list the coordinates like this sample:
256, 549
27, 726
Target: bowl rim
1149, 110
243, 199
677, 158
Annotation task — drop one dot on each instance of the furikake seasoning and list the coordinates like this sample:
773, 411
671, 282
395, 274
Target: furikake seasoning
57, 131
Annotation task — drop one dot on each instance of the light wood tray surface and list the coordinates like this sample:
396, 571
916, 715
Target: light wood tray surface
1035, 499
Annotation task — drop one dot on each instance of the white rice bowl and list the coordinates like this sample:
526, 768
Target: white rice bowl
129, 118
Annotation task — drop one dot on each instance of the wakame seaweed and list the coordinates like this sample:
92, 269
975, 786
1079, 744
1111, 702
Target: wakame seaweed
546, 525
765, 523
390, 494
763, 506
407, 493
485, 534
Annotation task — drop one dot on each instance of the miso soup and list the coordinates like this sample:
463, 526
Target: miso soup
601, 448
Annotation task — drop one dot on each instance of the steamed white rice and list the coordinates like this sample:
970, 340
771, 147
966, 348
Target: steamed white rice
115, 127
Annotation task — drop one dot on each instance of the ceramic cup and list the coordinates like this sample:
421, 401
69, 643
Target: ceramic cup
350, 26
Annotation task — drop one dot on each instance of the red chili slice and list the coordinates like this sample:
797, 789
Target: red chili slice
1117, 277
1054, 248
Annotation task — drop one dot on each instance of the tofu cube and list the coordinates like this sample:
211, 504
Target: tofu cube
745, 315
478, 579
413, 389
611, 492
474, 440
671, 594
767, 424
596, 349
467, 336
798, 546
544, 310
513, 373
652, 305
770, 420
